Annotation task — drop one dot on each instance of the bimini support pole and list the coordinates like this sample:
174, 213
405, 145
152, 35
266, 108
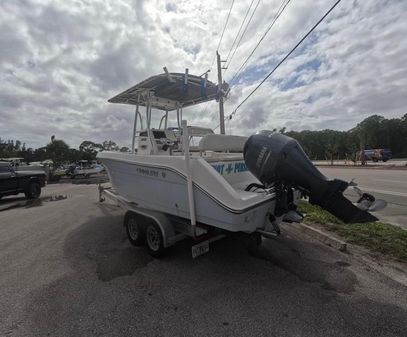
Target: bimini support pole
220, 93
136, 113
165, 119
178, 119
191, 201
149, 132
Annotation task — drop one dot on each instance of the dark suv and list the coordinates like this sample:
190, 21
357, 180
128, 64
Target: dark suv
14, 181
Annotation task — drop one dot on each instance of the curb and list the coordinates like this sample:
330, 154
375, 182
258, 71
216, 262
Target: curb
322, 236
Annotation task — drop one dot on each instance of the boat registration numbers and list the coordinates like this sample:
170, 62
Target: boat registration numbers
200, 249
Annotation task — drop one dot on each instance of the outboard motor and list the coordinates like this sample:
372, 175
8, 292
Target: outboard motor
275, 158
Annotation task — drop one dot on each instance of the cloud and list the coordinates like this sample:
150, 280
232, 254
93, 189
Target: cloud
60, 61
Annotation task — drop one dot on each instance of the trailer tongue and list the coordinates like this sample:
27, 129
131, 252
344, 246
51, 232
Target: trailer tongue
278, 159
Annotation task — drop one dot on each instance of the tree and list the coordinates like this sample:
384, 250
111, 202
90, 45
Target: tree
109, 145
75, 155
17, 146
88, 145
40, 154
352, 146
58, 151
373, 132
27, 154
89, 150
370, 133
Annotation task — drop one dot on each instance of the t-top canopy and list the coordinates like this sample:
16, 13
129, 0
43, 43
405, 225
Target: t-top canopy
170, 90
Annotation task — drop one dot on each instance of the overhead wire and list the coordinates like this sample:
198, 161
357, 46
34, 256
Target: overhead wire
240, 39
220, 41
243, 34
280, 11
240, 29
223, 32
282, 61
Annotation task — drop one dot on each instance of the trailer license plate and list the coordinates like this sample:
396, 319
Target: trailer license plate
200, 249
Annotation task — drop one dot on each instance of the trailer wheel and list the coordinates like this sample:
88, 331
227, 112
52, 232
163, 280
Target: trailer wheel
134, 229
33, 190
154, 240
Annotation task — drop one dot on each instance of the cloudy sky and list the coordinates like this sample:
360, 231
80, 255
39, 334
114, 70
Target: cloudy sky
61, 60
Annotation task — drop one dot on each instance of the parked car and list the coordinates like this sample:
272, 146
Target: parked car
15, 181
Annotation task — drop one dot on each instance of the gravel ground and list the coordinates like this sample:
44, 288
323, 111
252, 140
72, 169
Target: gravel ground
67, 269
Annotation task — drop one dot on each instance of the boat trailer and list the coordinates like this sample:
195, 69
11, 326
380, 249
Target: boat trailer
158, 231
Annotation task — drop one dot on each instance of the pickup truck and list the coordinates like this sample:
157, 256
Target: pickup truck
14, 181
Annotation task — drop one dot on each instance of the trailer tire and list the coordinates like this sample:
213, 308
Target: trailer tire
154, 240
134, 229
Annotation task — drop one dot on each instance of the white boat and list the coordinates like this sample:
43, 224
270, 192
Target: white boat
205, 185
85, 168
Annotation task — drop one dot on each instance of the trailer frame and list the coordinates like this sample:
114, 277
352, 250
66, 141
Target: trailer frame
172, 229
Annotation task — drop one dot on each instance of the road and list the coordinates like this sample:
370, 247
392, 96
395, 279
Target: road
392, 162
390, 185
67, 269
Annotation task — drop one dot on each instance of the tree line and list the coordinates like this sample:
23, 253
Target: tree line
56, 150
372, 133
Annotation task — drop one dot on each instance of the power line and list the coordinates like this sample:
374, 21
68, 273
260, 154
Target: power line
220, 40
265, 33
280, 10
238, 44
284, 58
223, 32
240, 28
244, 32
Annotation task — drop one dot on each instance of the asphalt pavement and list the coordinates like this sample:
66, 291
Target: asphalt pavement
401, 162
390, 185
67, 269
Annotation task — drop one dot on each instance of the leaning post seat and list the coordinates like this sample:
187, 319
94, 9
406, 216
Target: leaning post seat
222, 143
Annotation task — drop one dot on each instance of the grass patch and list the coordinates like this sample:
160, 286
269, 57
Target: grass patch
376, 236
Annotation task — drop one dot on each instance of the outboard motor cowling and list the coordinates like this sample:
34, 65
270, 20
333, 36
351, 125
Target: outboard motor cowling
276, 158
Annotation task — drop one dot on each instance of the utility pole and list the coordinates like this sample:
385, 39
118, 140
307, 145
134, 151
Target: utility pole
220, 82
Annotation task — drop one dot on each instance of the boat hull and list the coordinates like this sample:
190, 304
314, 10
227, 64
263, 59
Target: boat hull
164, 188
